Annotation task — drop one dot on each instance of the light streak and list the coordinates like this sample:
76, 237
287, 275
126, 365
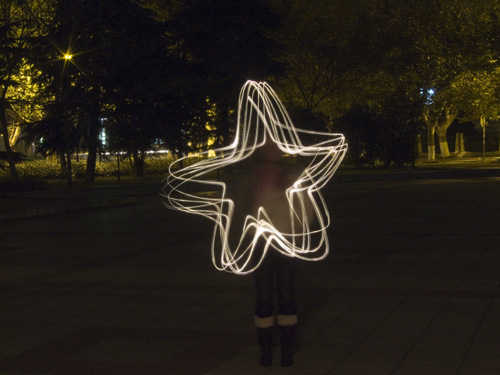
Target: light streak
261, 117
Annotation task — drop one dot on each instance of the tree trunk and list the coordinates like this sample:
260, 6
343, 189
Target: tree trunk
431, 153
139, 165
419, 144
137, 162
65, 162
225, 122
4, 130
443, 142
90, 167
431, 123
431, 147
62, 162
459, 144
8, 150
118, 165
93, 142
69, 169
442, 127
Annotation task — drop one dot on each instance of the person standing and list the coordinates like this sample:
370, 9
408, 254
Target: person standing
276, 274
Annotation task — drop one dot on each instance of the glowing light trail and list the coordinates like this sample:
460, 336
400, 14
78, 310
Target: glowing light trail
261, 117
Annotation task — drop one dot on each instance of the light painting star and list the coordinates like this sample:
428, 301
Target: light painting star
301, 232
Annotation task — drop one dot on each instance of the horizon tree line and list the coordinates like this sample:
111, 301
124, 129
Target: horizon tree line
154, 73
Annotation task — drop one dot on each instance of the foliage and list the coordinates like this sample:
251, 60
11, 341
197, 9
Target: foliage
46, 169
226, 43
116, 70
321, 63
476, 94
39, 169
158, 74
377, 138
20, 21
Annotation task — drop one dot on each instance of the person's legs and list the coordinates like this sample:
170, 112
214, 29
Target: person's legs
285, 280
287, 310
264, 318
264, 289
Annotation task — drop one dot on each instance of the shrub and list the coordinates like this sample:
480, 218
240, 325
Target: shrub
40, 169
44, 169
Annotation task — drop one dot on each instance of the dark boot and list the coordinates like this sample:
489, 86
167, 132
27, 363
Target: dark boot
265, 340
287, 345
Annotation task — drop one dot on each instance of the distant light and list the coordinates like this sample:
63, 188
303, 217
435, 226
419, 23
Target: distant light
67, 56
429, 95
102, 136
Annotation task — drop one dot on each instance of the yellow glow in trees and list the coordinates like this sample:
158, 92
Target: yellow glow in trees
261, 117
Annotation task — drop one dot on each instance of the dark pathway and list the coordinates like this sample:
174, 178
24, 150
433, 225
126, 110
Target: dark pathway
410, 287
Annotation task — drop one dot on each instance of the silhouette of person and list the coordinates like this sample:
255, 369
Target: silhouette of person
276, 274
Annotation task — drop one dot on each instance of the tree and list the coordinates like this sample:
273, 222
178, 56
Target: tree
20, 21
438, 119
57, 133
423, 46
380, 134
227, 42
106, 59
321, 62
476, 94
476, 97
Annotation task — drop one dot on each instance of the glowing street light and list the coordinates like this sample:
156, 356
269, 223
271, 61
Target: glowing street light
67, 56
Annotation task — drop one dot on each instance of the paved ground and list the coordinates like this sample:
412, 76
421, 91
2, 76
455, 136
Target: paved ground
410, 287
